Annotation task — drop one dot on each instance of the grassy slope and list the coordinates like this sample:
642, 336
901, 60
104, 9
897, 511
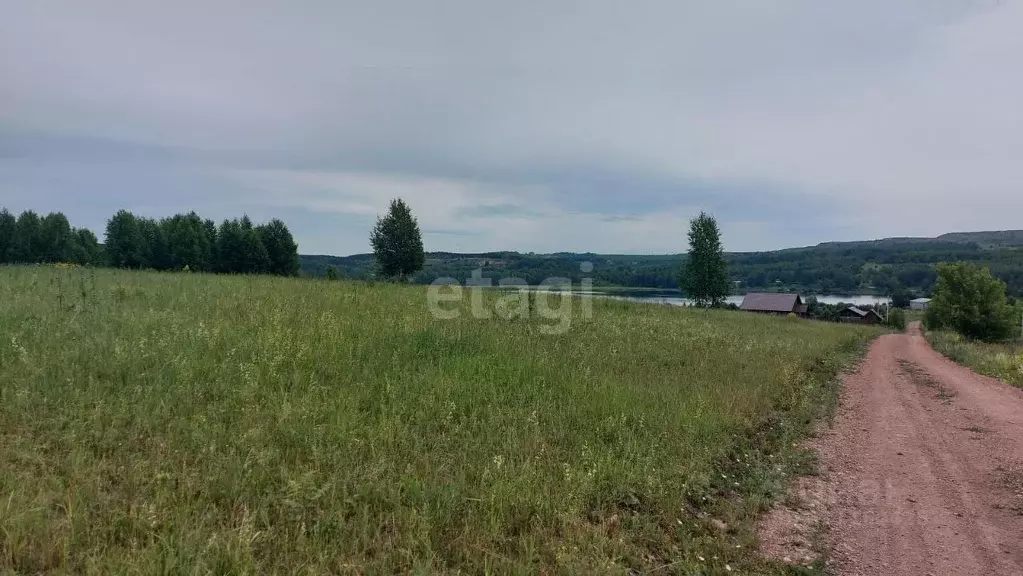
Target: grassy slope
999, 360
183, 423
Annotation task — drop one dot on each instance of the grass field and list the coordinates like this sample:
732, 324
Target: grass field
186, 423
999, 360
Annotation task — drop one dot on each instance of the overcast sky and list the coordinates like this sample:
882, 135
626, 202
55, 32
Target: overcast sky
588, 125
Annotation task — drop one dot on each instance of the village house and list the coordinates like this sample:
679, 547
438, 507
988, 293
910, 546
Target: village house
768, 303
859, 316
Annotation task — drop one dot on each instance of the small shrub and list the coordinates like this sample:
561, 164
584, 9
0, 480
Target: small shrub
897, 319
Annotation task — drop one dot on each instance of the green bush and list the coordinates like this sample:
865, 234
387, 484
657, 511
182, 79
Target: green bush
897, 319
970, 301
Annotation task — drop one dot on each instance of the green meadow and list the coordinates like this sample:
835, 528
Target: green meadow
1002, 360
199, 424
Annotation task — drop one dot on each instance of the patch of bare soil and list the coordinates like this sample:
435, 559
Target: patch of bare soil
792, 531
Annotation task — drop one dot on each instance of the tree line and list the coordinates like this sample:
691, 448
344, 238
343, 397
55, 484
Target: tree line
180, 242
30, 239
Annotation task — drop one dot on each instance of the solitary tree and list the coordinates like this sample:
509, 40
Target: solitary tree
705, 273
971, 301
397, 242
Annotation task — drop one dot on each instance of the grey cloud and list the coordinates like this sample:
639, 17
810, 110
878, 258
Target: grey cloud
619, 218
499, 210
442, 232
807, 118
618, 192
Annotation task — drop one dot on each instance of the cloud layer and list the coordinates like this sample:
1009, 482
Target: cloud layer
538, 126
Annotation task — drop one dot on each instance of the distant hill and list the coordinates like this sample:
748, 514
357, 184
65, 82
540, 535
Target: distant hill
996, 239
869, 266
989, 239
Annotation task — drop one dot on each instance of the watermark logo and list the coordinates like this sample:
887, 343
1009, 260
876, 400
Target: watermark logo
554, 301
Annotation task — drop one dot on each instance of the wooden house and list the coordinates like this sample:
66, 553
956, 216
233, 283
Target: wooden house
860, 316
768, 303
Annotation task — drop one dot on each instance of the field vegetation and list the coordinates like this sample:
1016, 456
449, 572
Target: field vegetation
195, 423
1002, 360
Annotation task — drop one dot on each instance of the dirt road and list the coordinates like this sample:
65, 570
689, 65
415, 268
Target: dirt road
924, 467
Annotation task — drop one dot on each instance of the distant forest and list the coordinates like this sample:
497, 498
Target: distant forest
877, 267
183, 242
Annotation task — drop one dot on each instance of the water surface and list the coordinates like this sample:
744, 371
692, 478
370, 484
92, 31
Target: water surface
675, 300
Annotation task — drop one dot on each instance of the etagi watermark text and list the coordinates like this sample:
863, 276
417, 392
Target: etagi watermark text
554, 300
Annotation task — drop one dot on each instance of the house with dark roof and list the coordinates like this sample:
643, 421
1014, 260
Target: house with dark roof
768, 303
859, 316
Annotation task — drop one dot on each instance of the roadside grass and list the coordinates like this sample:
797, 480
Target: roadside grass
914, 315
189, 423
999, 360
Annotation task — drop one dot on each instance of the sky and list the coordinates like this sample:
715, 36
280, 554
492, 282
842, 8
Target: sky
590, 125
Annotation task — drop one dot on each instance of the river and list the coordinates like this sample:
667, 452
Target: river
675, 300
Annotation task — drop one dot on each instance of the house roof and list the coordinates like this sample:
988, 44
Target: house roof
766, 302
920, 300
861, 312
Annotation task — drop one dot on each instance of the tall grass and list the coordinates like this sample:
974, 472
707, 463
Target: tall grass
185, 423
1002, 360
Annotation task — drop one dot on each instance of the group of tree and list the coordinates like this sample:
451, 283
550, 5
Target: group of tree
969, 300
188, 242
180, 242
30, 239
